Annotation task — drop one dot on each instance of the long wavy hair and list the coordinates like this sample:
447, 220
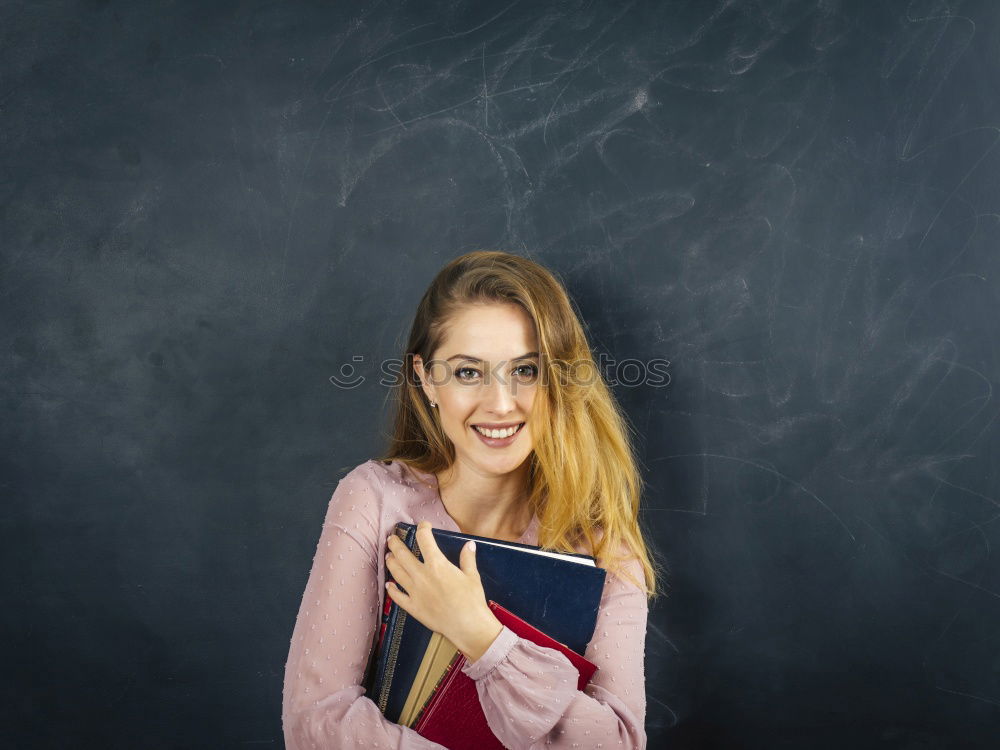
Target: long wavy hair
584, 484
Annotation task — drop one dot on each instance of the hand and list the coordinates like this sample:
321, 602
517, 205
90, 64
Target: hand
446, 599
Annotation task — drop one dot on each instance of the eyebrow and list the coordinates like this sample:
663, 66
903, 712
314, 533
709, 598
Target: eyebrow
529, 355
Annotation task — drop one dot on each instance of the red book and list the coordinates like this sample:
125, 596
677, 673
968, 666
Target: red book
453, 716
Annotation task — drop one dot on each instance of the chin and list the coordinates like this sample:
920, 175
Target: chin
500, 464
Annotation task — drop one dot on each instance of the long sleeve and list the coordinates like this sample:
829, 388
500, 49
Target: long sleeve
529, 694
323, 703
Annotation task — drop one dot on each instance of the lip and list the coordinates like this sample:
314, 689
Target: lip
498, 442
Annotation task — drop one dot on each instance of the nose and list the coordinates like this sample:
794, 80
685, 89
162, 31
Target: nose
499, 397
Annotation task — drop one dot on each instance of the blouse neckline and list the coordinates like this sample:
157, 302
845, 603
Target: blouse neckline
530, 535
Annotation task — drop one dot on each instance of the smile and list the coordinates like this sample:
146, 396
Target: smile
498, 438
498, 433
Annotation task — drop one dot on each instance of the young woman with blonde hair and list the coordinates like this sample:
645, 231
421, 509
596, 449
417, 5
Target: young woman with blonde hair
504, 428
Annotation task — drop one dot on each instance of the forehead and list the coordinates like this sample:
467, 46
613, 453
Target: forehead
489, 332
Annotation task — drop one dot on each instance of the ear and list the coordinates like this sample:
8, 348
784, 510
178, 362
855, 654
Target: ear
418, 368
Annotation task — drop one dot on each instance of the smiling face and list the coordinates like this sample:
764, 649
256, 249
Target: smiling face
485, 374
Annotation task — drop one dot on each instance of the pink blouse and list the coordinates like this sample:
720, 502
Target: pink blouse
528, 692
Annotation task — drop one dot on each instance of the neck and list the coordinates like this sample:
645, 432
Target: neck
490, 506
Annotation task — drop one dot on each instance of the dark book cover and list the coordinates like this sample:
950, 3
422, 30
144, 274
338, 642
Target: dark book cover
558, 593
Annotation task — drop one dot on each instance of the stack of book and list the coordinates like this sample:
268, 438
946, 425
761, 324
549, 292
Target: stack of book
415, 675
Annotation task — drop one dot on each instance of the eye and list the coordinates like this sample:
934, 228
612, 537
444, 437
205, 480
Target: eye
532, 371
460, 370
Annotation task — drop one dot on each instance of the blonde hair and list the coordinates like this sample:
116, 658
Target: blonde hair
584, 484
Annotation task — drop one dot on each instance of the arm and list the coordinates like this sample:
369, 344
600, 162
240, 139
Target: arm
323, 705
529, 694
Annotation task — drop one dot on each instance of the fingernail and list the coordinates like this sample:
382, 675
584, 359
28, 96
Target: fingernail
472, 546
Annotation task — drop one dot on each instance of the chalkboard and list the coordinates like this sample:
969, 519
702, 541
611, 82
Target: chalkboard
207, 209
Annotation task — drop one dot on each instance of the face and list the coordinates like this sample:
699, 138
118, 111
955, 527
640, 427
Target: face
481, 376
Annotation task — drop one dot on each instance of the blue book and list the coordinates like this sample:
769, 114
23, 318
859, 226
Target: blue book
557, 592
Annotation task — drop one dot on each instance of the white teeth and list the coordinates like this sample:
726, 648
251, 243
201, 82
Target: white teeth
498, 433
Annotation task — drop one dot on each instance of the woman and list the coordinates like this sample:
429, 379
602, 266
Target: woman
504, 429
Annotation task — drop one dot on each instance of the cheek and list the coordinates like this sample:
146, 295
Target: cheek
526, 397
459, 406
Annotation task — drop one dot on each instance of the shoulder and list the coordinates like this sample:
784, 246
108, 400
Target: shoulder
359, 501
623, 566
624, 552
385, 480
373, 496
373, 472
387, 472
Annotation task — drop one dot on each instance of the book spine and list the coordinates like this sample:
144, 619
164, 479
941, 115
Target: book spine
459, 658
387, 602
393, 653
385, 619
395, 619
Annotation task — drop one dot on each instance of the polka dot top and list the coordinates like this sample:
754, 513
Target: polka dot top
527, 692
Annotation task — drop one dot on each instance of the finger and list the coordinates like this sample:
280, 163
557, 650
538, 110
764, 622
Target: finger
398, 571
398, 595
429, 549
402, 554
467, 559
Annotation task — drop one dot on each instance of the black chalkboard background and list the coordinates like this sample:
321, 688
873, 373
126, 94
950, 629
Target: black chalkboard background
208, 209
